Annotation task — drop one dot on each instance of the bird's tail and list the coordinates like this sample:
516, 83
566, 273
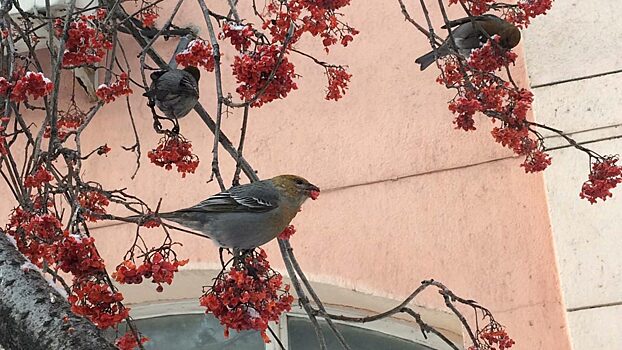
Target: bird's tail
426, 60
140, 219
167, 215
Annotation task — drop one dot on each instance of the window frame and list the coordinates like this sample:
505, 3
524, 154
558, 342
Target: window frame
346, 300
391, 326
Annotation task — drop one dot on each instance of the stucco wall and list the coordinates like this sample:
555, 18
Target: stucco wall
405, 196
576, 81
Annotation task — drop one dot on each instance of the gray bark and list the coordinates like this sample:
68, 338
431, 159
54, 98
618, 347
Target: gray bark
32, 313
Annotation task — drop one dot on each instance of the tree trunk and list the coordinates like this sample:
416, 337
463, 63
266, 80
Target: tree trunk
33, 315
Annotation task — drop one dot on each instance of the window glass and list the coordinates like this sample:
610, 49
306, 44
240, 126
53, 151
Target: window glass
302, 337
194, 331
201, 331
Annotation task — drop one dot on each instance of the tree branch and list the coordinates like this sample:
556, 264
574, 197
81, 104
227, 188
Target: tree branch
35, 316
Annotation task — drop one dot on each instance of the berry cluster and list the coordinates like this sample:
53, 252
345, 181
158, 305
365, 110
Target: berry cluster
519, 13
248, 296
93, 205
491, 56
338, 80
38, 178
31, 84
198, 53
36, 235
253, 70
318, 18
476, 7
480, 90
148, 16
155, 266
314, 194
493, 337
119, 88
85, 44
78, 256
528, 9
287, 233
241, 36
104, 149
177, 151
129, 342
605, 176
67, 122
41, 239
34, 84
151, 221
95, 300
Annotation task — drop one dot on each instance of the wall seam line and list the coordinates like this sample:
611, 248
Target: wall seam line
558, 82
597, 306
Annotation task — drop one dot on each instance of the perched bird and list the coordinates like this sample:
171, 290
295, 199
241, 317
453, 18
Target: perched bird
250, 215
175, 91
469, 35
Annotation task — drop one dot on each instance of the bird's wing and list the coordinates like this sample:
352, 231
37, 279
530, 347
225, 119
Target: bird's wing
256, 199
155, 76
468, 37
189, 85
167, 87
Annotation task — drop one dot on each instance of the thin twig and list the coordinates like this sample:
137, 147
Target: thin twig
219, 94
314, 296
414, 23
238, 164
301, 295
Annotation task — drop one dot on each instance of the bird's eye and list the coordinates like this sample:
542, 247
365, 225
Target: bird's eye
299, 182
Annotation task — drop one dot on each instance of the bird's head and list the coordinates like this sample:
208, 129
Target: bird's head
510, 37
194, 71
296, 187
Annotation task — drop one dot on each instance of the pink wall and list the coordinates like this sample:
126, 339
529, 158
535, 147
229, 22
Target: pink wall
405, 196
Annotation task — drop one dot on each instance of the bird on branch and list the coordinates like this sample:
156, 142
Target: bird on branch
470, 33
175, 91
247, 216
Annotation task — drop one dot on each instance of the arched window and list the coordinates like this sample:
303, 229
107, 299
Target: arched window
174, 319
184, 325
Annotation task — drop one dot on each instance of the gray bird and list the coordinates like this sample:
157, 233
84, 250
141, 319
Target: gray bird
175, 91
468, 36
250, 215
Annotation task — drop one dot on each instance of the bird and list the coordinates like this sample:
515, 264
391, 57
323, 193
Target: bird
247, 216
175, 91
470, 33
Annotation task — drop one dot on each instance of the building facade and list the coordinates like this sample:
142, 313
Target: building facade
405, 196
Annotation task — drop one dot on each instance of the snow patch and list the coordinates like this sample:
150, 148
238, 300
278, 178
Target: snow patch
12, 240
252, 312
27, 266
236, 26
56, 287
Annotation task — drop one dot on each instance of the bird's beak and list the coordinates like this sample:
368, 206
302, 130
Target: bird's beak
314, 191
